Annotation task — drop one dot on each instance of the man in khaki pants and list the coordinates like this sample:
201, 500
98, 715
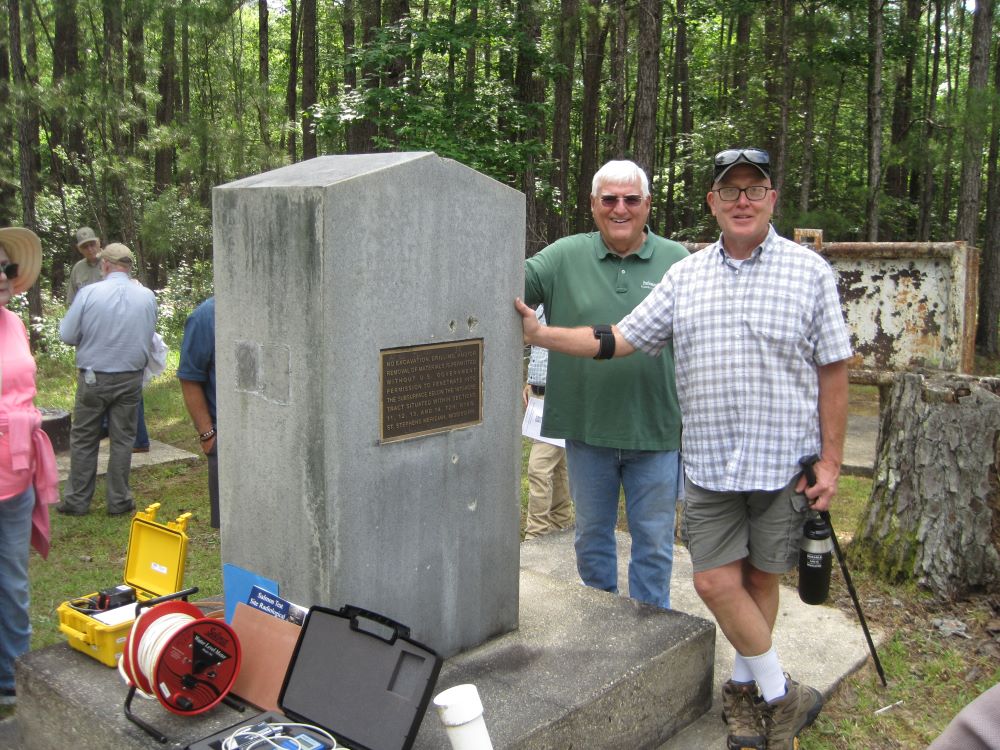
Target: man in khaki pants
549, 502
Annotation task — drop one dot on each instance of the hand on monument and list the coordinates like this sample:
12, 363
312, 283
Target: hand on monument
529, 323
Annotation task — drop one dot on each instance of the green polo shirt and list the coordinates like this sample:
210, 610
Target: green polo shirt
628, 403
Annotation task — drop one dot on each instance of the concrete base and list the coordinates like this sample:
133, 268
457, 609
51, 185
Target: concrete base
159, 453
584, 669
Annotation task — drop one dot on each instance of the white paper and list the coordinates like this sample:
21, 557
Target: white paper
532, 425
117, 616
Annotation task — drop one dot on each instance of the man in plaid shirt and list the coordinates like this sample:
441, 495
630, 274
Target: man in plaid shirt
761, 349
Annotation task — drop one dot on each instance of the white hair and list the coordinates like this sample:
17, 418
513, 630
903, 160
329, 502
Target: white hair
620, 173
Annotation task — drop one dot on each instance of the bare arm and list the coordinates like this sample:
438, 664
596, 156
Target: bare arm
577, 342
833, 427
197, 406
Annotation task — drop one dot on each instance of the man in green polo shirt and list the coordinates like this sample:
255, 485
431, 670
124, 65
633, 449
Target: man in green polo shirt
619, 417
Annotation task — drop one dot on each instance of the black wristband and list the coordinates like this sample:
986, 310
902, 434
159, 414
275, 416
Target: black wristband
606, 338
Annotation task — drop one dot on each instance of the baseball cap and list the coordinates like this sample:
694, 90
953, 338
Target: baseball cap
86, 234
755, 157
116, 252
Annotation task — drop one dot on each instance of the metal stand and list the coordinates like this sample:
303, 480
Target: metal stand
149, 729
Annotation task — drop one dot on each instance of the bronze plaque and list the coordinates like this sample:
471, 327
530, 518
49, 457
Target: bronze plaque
430, 388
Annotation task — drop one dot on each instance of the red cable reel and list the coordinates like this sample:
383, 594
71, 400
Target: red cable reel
188, 661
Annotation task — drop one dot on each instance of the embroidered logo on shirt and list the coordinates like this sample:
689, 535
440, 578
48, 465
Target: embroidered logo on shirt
649, 284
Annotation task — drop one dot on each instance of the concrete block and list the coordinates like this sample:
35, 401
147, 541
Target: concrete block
320, 268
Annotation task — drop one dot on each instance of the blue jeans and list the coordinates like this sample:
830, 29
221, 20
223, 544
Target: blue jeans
141, 434
650, 481
15, 541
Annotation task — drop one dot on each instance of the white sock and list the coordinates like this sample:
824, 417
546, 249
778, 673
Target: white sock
767, 672
741, 670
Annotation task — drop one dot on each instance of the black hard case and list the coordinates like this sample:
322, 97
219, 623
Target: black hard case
356, 674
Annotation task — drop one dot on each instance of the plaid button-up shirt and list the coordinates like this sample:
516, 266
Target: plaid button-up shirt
747, 339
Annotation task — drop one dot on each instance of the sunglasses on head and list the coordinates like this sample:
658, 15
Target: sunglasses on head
732, 155
9, 270
610, 201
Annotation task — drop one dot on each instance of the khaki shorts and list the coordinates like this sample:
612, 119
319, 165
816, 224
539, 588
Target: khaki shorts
766, 527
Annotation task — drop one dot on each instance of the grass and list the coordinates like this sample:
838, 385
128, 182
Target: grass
931, 675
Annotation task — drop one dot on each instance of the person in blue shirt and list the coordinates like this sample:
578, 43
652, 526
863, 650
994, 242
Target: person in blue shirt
111, 324
197, 375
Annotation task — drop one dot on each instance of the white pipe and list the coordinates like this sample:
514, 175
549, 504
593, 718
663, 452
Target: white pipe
461, 712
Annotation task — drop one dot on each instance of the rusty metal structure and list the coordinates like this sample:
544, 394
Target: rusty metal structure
908, 305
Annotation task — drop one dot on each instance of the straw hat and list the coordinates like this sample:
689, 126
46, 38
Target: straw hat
24, 248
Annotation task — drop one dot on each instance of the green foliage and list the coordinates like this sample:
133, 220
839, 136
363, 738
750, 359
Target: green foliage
187, 286
176, 227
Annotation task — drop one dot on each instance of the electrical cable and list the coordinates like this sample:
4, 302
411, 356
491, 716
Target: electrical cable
186, 661
266, 735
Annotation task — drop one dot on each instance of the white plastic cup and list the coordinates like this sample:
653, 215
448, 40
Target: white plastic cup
461, 712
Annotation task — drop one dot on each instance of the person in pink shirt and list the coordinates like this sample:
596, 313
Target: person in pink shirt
29, 481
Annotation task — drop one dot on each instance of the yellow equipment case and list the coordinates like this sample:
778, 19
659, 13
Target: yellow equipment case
154, 566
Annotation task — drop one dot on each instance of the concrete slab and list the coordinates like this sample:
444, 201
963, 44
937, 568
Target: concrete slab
859, 446
817, 645
583, 667
159, 453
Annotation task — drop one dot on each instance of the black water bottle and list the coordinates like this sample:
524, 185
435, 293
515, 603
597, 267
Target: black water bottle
815, 561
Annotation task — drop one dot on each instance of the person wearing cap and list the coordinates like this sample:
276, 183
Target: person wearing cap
88, 269
615, 442
111, 324
761, 351
29, 479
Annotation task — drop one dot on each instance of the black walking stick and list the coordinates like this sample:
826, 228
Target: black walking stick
807, 469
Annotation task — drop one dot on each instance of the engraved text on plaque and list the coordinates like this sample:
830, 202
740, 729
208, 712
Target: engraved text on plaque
430, 388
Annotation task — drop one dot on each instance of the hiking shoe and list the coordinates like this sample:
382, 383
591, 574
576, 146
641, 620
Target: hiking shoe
786, 717
741, 710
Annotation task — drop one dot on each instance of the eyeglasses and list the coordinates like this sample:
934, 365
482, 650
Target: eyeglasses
610, 201
753, 193
732, 155
9, 270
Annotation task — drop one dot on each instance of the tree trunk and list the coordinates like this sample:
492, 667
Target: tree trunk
64, 123
615, 130
687, 116
875, 58
809, 109
934, 511
976, 122
263, 76
647, 89
8, 194
166, 106
530, 92
926, 199
292, 89
394, 13
593, 60
741, 59
469, 80
902, 100
309, 72
562, 97
988, 330
27, 120
371, 21
136, 15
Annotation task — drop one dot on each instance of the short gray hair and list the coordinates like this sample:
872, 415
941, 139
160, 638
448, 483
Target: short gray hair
621, 172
